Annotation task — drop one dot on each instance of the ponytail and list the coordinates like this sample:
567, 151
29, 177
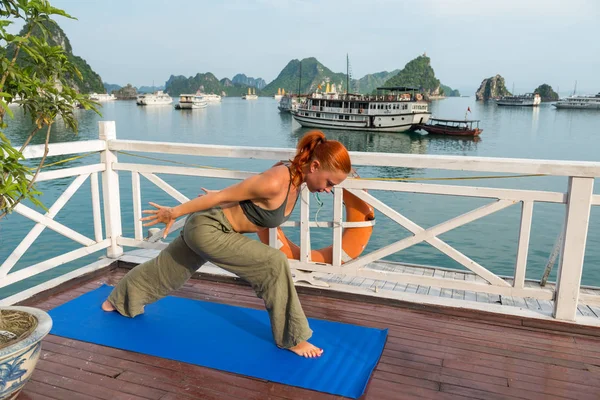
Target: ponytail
332, 155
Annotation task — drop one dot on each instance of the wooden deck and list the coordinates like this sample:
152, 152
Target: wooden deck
431, 353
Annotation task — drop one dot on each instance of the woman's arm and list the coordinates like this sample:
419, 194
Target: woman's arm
262, 186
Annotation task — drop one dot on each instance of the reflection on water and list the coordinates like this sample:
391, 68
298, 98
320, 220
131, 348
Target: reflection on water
380, 142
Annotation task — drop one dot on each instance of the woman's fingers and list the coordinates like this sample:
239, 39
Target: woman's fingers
167, 229
150, 223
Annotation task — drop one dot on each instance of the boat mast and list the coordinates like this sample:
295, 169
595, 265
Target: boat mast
347, 74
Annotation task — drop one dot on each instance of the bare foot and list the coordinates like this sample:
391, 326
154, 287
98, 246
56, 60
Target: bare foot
106, 306
307, 350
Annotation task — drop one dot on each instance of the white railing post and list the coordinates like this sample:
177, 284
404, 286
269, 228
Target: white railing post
577, 218
338, 194
110, 190
523, 247
305, 225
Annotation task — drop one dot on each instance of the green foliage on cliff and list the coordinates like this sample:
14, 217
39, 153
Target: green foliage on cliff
110, 87
448, 91
370, 82
546, 92
89, 81
207, 83
125, 93
417, 73
492, 88
35, 74
313, 74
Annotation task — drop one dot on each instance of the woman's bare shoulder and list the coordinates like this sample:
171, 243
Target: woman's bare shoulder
273, 181
279, 171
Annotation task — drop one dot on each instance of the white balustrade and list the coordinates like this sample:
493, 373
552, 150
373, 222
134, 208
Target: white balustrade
578, 199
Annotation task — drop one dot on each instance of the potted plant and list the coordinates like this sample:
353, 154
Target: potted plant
21, 332
42, 79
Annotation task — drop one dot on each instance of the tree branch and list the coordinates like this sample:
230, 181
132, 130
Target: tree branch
29, 139
14, 60
46, 150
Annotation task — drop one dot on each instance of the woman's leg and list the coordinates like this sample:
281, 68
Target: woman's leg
265, 268
154, 279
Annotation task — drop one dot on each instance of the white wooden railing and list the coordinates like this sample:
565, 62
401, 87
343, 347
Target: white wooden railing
578, 200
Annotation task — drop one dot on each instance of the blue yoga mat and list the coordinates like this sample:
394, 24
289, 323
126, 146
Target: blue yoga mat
227, 338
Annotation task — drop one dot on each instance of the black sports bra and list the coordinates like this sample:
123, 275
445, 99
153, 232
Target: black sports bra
267, 218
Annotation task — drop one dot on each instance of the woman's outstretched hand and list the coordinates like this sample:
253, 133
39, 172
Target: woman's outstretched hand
162, 214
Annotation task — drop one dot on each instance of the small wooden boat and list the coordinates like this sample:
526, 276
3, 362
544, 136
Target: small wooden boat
451, 127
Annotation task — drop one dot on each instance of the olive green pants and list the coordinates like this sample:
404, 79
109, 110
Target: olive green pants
208, 236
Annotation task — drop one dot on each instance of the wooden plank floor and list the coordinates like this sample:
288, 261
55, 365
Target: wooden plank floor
428, 355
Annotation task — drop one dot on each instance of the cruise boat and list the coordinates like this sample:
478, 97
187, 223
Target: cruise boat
154, 99
279, 95
211, 98
290, 102
393, 109
191, 101
580, 102
528, 99
101, 97
251, 95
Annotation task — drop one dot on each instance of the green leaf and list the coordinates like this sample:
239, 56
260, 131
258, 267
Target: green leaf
6, 109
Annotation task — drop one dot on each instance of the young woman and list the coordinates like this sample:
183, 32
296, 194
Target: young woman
214, 232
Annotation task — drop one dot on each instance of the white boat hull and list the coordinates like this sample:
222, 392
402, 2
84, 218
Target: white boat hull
154, 99
524, 103
250, 97
378, 123
190, 106
566, 106
155, 102
212, 98
527, 100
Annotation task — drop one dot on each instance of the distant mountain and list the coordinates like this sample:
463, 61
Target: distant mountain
370, 82
125, 93
492, 88
206, 83
313, 74
90, 82
546, 92
109, 87
149, 89
417, 73
244, 80
448, 91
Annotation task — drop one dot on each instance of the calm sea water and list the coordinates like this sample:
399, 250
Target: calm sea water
541, 133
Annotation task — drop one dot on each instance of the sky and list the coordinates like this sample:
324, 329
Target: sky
528, 42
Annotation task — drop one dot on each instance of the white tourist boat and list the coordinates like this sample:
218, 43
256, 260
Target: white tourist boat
393, 109
279, 95
191, 101
580, 102
154, 99
251, 95
527, 99
290, 102
211, 98
102, 97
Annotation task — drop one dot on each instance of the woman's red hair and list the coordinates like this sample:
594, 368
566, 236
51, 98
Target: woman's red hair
332, 155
